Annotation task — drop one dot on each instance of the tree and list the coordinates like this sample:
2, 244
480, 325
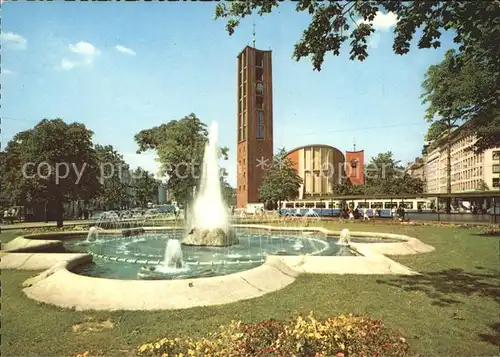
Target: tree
462, 91
229, 194
114, 172
281, 181
51, 163
474, 22
482, 186
385, 175
179, 145
145, 185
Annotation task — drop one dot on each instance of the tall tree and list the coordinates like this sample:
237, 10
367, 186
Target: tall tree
281, 180
180, 145
145, 185
114, 174
385, 175
51, 163
462, 90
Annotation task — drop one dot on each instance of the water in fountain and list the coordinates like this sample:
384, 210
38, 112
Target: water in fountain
210, 221
93, 234
173, 254
345, 237
109, 220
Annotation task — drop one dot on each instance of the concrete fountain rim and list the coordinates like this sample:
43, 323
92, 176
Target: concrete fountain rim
274, 274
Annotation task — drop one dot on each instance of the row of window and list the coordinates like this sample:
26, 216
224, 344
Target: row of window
242, 126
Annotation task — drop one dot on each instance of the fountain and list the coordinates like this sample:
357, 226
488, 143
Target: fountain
173, 264
173, 254
210, 223
345, 237
93, 234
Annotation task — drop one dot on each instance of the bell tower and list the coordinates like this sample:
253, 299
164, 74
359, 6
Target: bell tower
254, 122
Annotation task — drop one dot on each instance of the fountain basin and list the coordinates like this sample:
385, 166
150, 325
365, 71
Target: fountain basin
143, 256
211, 237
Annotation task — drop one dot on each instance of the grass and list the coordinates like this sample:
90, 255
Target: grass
451, 310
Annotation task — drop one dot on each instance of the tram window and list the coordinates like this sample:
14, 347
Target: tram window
422, 205
309, 204
407, 205
320, 205
362, 204
289, 205
299, 204
376, 205
390, 204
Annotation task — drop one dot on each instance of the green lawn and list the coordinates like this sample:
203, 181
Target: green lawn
451, 310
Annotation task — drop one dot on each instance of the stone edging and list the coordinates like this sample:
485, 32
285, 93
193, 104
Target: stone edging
59, 286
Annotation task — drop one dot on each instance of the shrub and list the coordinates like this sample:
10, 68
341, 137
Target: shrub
343, 336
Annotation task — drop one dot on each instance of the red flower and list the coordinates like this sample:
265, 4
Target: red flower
387, 346
340, 354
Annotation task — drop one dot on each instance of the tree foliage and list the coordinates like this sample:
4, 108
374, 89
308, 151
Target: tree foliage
145, 186
114, 174
52, 162
463, 91
335, 22
180, 145
456, 89
281, 181
383, 175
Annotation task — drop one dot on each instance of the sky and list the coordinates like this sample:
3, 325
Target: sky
125, 67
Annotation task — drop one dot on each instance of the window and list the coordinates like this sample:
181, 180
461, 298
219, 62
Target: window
299, 204
260, 89
259, 74
496, 169
309, 204
320, 205
260, 103
259, 59
260, 124
289, 205
376, 204
496, 182
496, 155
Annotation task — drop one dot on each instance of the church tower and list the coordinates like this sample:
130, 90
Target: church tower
254, 122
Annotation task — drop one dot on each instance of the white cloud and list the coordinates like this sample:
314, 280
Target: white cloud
84, 48
67, 64
86, 53
382, 21
126, 50
6, 71
13, 41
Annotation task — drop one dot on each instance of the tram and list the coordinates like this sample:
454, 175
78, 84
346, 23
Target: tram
333, 208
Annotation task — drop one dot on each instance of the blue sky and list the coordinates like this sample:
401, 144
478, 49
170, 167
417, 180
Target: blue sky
61, 60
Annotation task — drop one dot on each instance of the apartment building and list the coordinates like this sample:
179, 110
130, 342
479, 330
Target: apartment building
469, 171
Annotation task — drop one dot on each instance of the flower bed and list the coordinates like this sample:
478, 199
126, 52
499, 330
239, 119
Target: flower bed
300, 336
